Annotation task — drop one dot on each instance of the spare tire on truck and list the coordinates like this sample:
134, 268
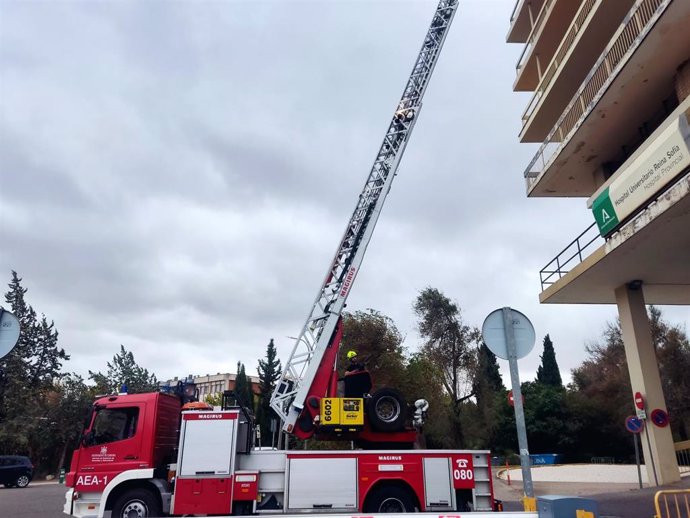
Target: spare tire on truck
387, 410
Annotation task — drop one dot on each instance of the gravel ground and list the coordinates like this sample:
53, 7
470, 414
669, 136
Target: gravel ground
590, 473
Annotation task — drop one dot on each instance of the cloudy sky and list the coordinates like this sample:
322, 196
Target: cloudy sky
176, 175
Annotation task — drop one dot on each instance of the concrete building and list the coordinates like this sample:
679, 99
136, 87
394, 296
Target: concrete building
215, 384
611, 109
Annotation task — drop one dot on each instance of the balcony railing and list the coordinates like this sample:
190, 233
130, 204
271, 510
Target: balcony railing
634, 28
683, 455
563, 49
545, 8
515, 10
570, 256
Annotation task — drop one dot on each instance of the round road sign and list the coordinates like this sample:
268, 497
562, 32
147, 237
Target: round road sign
659, 417
639, 400
633, 424
493, 332
9, 332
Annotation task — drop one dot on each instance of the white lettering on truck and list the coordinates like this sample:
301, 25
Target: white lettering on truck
92, 480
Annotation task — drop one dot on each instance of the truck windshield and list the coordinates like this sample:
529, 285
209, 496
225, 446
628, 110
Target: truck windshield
114, 424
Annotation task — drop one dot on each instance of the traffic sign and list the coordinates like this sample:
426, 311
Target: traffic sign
633, 424
511, 401
494, 333
639, 400
9, 332
659, 417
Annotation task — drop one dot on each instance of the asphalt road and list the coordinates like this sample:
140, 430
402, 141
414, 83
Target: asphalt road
39, 500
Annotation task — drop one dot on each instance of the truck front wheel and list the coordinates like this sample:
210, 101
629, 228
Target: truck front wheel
136, 503
389, 499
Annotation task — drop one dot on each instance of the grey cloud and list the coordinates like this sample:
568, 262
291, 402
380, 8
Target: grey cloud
178, 175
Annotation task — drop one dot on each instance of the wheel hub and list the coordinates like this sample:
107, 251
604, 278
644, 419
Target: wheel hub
135, 509
392, 505
387, 409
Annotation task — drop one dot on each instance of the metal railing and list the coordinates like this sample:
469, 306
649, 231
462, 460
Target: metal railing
565, 46
515, 10
672, 503
570, 256
545, 8
634, 28
683, 456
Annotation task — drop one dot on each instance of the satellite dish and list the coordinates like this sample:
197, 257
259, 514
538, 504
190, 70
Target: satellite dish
9, 332
493, 332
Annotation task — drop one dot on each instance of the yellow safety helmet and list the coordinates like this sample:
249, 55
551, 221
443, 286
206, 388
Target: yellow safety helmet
351, 354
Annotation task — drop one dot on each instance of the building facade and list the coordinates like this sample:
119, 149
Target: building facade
610, 106
214, 385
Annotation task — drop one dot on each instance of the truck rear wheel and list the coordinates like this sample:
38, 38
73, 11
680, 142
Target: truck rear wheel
136, 503
387, 410
389, 499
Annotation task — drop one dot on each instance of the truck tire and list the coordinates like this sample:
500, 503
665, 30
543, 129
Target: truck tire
390, 499
386, 410
136, 503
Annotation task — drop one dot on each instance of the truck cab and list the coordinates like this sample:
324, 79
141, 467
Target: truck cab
126, 437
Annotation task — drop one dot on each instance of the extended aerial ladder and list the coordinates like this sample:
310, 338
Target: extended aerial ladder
309, 371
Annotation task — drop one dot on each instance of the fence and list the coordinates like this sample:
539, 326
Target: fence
569, 257
672, 503
683, 456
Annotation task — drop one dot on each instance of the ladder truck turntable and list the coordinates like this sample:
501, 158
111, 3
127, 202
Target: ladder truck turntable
147, 455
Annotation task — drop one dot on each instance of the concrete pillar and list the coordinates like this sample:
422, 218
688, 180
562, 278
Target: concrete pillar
657, 443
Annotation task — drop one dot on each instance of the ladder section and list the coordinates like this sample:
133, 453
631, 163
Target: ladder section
304, 361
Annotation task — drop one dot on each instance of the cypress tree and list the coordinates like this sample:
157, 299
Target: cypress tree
269, 373
548, 372
243, 388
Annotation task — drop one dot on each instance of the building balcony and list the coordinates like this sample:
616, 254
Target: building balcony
624, 90
548, 28
589, 32
644, 212
653, 247
522, 20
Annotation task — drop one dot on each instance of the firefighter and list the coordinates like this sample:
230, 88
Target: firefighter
354, 365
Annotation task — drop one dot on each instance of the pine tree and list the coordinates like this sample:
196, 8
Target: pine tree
31, 370
269, 373
450, 345
124, 370
548, 373
243, 388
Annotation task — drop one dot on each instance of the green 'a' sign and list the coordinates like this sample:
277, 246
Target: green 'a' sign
604, 213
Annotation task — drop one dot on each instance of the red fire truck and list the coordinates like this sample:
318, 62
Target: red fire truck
141, 456
144, 455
